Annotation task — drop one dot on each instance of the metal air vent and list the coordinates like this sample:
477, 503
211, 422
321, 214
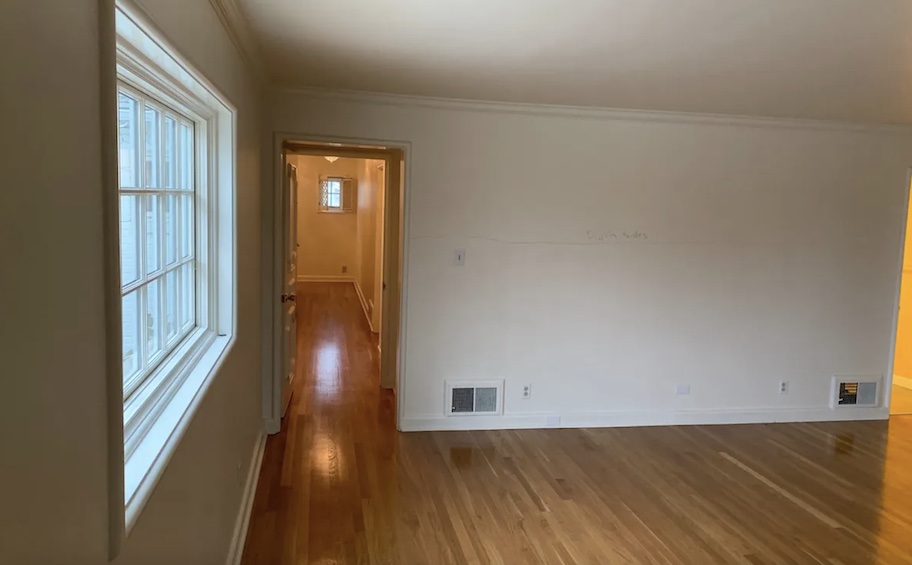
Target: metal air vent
860, 391
465, 398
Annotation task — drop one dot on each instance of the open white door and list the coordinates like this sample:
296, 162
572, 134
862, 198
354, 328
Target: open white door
290, 259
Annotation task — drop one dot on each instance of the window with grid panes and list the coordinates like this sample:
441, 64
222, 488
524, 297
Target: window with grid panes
331, 193
157, 222
172, 215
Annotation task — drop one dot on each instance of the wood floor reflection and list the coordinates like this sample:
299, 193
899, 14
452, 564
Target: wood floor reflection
339, 485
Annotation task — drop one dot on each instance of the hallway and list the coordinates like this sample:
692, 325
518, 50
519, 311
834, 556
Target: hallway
337, 441
339, 485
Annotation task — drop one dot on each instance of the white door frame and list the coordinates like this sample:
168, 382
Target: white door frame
272, 275
888, 378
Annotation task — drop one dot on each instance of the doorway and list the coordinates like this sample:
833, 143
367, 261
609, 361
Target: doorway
346, 228
901, 388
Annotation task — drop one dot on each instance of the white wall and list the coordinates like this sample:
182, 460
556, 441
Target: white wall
771, 253
52, 391
328, 241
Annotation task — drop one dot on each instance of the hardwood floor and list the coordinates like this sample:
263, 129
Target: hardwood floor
340, 485
900, 400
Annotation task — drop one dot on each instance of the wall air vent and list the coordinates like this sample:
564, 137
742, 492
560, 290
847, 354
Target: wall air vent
858, 391
473, 398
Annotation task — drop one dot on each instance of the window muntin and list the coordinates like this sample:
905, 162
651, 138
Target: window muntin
156, 149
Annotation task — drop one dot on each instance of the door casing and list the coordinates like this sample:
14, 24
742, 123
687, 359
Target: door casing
395, 260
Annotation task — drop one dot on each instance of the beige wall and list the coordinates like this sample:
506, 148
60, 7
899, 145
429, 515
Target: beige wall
902, 362
380, 199
328, 241
771, 254
53, 428
370, 192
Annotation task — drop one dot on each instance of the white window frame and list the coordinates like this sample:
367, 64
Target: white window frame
323, 195
149, 367
157, 411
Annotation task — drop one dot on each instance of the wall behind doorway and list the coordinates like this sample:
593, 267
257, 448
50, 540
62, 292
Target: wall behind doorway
370, 231
902, 361
327, 241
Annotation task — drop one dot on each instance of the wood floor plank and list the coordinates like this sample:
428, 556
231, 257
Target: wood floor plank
339, 485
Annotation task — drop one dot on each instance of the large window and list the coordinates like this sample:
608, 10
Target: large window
157, 224
175, 232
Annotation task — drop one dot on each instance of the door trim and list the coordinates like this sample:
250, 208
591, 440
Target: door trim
272, 278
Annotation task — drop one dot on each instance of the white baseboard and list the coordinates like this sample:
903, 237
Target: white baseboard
622, 419
236, 550
326, 278
364, 305
904, 382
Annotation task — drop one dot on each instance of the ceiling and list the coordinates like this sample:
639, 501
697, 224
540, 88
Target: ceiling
821, 59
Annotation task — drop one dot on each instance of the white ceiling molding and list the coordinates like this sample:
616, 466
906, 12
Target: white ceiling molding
585, 112
238, 29
838, 60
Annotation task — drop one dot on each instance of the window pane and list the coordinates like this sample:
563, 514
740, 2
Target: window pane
129, 239
186, 156
170, 229
153, 138
153, 319
334, 201
171, 314
130, 319
152, 233
324, 194
187, 295
186, 226
170, 155
128, 139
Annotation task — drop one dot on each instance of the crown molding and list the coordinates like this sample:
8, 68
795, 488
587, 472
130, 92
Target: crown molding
587, 112
235, 23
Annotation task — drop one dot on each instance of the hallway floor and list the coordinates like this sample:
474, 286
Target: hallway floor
339, 485
900, 400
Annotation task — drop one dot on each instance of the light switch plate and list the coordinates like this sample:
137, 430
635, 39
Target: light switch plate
459, 257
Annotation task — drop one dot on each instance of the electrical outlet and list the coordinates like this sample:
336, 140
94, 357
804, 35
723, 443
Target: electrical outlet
459, 257
344, 268
682, 390
527, 392
783, 387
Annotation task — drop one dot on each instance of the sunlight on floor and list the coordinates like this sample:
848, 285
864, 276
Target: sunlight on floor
327, 370
900, 400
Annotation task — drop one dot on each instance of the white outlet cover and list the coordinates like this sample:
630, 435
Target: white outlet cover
552, 421
682, 390
527, 392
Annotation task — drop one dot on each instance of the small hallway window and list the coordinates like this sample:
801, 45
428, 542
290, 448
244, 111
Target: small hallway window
337, 194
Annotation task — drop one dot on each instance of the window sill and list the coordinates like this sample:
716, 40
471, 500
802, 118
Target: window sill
149, 457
